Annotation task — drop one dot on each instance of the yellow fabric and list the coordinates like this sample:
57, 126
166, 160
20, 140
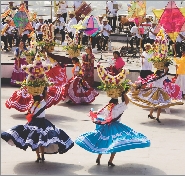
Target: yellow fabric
181, 65
158, 12
36, 104
173, 35
182, 9
155, 95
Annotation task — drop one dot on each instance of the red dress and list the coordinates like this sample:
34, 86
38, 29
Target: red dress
57, 75
22, 101
88, 69
78, 90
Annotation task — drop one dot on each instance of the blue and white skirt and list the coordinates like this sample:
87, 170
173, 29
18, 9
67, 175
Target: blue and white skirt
116, 137
39, 132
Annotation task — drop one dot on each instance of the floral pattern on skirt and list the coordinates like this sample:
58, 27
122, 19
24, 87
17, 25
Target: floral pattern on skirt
173, 90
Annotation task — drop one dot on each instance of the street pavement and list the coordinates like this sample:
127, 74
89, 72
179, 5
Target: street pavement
165, 156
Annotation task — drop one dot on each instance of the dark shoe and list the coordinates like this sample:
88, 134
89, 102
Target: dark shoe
98, 161
149, 116
158, 120
38, 160
111, 164
42, 158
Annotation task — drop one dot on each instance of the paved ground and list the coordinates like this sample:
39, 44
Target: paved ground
133, 64
166, 156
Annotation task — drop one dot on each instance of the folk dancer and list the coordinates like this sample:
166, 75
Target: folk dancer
18, 74
88, 66
77, 90
153, 96
117, 64
39, 134
111, 136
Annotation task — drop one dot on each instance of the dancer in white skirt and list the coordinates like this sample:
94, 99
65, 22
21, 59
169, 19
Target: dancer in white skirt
153, 97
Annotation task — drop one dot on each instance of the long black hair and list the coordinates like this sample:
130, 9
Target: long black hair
159, 72
75, 59
117, 52
114, 101
37, 98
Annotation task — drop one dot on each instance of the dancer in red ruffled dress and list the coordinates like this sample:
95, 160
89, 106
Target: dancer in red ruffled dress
76, 89
57, 74
22, 101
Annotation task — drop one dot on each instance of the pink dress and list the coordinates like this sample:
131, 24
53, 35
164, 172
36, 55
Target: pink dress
119, 63
18, 74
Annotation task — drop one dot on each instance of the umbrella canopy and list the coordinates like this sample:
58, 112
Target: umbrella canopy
136, 9
172, 20
158, 12
20, 19
91, 25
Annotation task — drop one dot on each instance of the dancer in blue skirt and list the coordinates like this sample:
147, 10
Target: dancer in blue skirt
111, 136
39, 134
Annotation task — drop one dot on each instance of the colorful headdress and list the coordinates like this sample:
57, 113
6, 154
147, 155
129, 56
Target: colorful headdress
36, 80
113, 85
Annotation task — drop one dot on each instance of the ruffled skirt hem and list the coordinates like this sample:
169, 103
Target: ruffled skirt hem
152, 98
112, 138
39, 132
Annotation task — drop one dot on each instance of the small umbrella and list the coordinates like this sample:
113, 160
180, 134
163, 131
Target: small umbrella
91, 24
172, 20
21, 18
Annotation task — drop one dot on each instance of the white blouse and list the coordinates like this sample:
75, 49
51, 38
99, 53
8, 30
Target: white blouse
159, 82
146, 64
41, 105
116, 111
